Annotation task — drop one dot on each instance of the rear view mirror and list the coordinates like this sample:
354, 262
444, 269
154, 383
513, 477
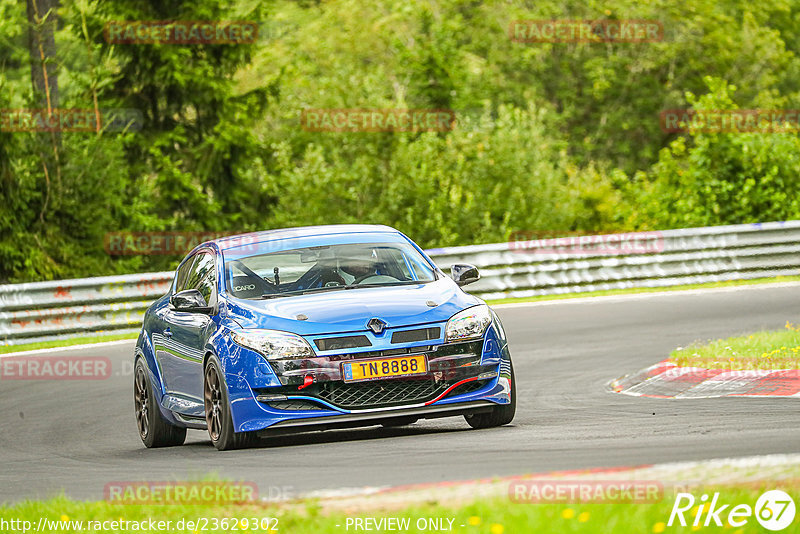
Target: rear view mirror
189, 300
464, 273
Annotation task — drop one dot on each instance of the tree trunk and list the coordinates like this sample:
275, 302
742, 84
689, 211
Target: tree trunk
42, 20
42, 23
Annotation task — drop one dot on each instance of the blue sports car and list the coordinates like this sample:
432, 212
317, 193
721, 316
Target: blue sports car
316, 328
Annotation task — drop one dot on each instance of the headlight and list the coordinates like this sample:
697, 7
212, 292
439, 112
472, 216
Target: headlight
468, 324
274, 344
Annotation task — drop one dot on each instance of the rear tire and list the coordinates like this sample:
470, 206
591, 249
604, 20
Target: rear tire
218, 411
500, 415
154, 429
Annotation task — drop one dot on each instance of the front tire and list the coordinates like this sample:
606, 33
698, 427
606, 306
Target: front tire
218, 411
500, 415
154, 430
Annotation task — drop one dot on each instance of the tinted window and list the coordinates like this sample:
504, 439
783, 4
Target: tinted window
182, 273
202, 275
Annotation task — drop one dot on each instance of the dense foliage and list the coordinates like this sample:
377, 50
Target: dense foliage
548, 136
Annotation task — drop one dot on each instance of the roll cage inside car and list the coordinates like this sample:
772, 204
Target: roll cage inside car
331, 266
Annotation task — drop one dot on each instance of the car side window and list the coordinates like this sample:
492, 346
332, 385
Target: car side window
203, 276
182, 273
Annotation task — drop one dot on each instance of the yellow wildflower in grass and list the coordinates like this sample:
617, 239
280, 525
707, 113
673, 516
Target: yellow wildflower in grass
497, 529
474, 520
583, 517
658, 528
64, 518
569, 513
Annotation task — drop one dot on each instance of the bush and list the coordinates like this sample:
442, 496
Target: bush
475, 184
706, 179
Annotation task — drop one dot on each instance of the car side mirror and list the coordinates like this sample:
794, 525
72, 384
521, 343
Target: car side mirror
189, 300
464, 273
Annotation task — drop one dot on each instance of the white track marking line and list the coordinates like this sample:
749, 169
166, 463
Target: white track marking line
70, 347
640, 296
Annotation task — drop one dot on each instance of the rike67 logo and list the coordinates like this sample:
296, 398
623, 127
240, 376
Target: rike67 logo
774, 510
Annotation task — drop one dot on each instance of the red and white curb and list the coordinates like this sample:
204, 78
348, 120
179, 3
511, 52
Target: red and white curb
672, 476
667, 380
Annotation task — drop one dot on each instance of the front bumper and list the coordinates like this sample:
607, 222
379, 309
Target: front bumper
364, 419
462, 378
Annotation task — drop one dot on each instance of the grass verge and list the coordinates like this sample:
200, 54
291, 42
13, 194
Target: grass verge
498, 515
778, 349
6, 349
635, 290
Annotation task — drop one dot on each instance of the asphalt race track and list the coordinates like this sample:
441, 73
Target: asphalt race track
77, 436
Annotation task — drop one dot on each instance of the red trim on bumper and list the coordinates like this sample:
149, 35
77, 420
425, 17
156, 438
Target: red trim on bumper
448, 390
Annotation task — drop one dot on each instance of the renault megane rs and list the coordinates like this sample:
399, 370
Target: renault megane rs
316, 328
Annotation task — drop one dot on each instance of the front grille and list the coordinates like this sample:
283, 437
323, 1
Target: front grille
344, 342
420, 334
380, 392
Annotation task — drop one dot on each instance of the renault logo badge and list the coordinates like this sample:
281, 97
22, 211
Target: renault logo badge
376, 325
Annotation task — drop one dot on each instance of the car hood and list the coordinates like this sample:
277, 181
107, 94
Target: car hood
349, 310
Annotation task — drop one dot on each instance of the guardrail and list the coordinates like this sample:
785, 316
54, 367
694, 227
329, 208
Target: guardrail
48, 310
686, 256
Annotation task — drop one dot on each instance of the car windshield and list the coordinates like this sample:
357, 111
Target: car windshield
326, 268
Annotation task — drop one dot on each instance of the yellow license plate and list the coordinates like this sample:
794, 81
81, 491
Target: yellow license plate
370, 369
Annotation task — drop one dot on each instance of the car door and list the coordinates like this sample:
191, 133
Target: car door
180, 353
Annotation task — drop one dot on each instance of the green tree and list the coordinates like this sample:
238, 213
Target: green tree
720, 178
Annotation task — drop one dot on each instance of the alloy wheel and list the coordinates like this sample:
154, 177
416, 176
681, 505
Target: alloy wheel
212, 396
140, 398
